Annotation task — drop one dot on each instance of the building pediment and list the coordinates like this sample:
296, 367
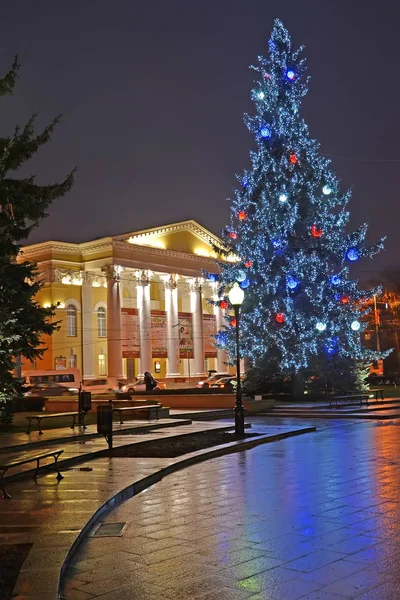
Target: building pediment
188, 237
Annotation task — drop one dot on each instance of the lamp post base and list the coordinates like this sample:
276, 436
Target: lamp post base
239, 420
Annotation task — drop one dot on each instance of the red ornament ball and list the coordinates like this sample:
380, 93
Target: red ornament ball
242, 215
233, 235
315, 232
344, 299
293, 159
248, 263
223, 304
233, 322
280, 318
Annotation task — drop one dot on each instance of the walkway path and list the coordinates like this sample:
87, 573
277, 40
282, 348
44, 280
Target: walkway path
314, 517
50, 515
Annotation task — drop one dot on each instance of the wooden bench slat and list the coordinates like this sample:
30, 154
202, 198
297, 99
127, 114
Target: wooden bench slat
49, 415
22, 459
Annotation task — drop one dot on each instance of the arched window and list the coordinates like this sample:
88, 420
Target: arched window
101, 322
71, 321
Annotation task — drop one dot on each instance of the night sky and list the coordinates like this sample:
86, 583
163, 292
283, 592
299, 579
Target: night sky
153, 95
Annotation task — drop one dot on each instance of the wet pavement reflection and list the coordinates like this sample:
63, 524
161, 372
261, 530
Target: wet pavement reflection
310, 517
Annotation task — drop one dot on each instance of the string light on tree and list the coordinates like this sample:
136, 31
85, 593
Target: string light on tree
356, 325
283, 198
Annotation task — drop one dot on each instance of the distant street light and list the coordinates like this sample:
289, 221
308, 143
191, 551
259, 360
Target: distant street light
236, 297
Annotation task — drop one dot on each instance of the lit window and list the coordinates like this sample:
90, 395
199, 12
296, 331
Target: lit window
71, 321
102, 364
101, 322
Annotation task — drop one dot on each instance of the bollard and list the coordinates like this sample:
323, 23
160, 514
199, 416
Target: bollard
105, 422
84, 405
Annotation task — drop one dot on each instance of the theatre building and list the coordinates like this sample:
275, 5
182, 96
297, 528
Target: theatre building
131, 303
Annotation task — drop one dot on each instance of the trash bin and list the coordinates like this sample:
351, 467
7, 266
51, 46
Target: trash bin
104, 419
85, 401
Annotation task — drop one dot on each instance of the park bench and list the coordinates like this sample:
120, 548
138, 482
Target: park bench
74, 415
357, 397
24, 458
148, 407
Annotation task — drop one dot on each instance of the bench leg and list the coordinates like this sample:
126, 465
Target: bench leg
36, 473
73, 422
6, 495
29, 426
81, 420
59, 476
39, 420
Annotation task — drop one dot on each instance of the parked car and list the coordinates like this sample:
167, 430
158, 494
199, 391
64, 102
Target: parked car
211, 379
228, 384
100, 386
139, 386
50, 388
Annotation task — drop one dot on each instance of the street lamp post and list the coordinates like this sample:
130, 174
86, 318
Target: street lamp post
236, 297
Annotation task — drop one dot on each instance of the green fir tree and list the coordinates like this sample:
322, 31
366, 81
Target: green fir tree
23, 203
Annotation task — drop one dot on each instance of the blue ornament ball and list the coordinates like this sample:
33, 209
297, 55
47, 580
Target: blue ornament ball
212, 277
265, 132
352, 254
244, 284
292, 283
332, 345
335, 280
245, 182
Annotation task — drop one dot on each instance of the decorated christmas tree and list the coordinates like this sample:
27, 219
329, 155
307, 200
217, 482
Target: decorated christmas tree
288, 245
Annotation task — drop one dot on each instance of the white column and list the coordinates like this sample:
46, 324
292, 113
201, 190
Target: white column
222, 355
198, 331
144, 310
114, 330
87, 328
171, 308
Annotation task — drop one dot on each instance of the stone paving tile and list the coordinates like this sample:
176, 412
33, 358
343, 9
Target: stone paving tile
386, 591
355, 544
333, 572
315, 560
276, 589
357, 583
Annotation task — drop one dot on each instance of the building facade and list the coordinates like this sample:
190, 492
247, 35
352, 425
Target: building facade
131, 303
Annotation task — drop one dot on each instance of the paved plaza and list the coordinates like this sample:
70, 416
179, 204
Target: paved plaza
314, 517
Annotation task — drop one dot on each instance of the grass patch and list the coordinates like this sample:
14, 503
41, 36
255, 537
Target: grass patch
172, 447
